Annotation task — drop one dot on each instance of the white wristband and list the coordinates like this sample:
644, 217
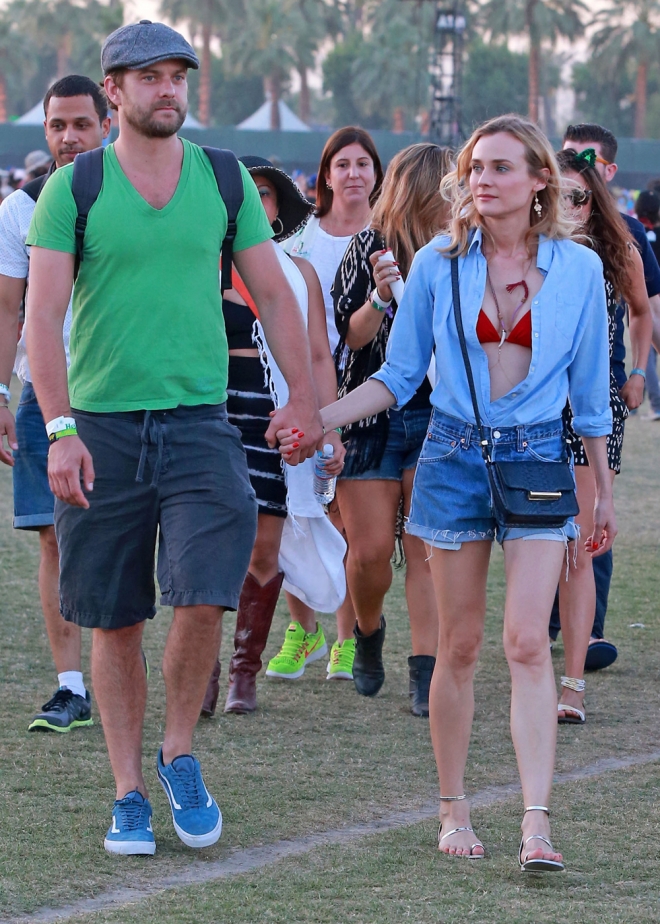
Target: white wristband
4, 390
59, 424
375, 297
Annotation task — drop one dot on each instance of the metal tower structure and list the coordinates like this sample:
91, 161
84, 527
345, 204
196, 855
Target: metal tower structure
446, 72
446, 69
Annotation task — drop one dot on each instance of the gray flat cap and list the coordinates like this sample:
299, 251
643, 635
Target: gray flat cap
145, 43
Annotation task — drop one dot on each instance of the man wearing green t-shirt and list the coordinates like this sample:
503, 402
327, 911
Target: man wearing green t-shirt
142, 422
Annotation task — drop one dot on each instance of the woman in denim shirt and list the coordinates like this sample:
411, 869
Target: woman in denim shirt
535, 320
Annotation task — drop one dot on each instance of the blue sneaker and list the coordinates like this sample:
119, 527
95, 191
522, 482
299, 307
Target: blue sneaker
131, 831
195, 813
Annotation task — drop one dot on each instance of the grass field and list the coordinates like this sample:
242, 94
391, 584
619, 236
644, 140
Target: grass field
316, 758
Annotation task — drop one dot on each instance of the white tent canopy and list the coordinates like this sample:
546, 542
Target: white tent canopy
35, 116
259, 121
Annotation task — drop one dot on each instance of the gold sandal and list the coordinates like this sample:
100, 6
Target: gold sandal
578, 716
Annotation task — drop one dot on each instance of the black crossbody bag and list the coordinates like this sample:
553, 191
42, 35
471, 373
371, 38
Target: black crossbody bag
523, 494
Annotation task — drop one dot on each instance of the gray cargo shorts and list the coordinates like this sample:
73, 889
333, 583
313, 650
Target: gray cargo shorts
178, 477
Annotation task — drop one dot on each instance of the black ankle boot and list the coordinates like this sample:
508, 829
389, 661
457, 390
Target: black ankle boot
421, 671
368, 671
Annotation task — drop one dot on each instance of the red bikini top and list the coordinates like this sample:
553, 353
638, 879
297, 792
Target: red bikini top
521, 333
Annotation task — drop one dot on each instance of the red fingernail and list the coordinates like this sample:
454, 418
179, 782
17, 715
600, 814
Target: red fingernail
295, 445
300, 435
294, 429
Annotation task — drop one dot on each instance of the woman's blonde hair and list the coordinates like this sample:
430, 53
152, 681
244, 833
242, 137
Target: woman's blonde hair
411, 209
553, 221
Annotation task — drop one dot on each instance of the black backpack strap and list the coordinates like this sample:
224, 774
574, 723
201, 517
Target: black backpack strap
230, 186
34, 187
85, 186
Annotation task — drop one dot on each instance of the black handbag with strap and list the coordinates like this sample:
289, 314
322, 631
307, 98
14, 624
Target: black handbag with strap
523, 494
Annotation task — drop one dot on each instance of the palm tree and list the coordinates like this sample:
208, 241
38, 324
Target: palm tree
540, 21
13, 56
203, 17
630, 34
262, 44
72, 29
391, 72
312, 22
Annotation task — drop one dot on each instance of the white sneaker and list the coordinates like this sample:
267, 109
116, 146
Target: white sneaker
651, 415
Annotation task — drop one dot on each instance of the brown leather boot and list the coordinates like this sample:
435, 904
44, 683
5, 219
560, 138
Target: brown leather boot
212, 693
253, 620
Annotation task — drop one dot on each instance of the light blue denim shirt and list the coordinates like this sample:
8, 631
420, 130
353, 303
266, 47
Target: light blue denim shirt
570, 348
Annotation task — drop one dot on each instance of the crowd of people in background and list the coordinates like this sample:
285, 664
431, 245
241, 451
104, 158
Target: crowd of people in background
426, 321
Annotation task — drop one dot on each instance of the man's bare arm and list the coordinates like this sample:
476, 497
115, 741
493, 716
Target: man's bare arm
51, 282
11, 295
285, 331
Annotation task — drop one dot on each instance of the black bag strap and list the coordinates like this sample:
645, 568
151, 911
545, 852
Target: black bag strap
34, 187
85, 187
456, 298
88, 179
230, 186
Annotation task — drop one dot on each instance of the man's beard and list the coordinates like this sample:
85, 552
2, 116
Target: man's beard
143, 121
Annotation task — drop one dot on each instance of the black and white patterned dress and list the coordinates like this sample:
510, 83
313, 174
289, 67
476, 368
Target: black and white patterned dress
618, 405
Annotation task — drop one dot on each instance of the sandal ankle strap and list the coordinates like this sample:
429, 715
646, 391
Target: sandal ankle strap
537, 808
453, 798
574, 683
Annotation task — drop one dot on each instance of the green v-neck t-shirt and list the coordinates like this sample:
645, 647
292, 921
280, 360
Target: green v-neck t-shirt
147, 331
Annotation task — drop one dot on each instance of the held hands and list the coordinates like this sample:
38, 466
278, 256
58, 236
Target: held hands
302, 420
69, 462
385, 272
8, 430
289, 438
605, 528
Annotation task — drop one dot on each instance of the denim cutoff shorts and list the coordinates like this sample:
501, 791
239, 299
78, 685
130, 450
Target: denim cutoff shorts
451, 500
405, 438
34, 502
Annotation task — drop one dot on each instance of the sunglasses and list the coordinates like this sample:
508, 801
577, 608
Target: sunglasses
578, 197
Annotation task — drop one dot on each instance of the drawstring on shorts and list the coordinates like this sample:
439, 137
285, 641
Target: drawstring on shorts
152, 435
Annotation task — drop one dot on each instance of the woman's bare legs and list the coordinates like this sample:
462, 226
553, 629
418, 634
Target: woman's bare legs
532, 572
577, 596
459, 578
369, 509
300, 612
420, 596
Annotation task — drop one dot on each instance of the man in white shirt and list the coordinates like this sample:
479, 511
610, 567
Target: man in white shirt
76, 121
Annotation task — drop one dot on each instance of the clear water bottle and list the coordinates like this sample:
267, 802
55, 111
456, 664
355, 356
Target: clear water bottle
324, 484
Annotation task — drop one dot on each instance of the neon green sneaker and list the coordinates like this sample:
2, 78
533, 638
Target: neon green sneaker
340, 665
300, 648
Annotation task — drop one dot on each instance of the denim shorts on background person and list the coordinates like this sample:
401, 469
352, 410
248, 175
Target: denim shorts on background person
405, 438
34, 502
178, 475
451, 493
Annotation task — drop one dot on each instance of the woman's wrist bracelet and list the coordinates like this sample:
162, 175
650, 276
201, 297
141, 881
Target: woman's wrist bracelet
641, 372
4, 392
336, 430
377, 302
59, 427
